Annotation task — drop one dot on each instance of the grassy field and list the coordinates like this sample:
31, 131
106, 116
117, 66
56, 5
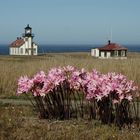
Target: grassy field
19, 122
11, 68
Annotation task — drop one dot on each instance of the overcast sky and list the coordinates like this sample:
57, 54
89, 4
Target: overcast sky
71, 21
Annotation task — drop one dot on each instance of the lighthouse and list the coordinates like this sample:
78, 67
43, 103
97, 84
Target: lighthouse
28, 39
24, 45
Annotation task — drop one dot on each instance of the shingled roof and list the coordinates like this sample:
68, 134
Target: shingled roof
17, 43
112, 46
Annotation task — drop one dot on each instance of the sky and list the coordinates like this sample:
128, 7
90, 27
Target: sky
71, 21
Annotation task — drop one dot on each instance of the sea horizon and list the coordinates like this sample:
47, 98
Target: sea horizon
62, 48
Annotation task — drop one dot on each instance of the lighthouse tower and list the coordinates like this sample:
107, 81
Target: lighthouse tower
28, 39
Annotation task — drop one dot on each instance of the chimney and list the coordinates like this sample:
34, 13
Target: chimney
109, 42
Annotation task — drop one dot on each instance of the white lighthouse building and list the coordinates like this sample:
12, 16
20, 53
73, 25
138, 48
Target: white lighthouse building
24, 45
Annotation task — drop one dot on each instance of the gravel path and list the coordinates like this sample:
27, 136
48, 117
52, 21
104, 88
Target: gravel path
15, 101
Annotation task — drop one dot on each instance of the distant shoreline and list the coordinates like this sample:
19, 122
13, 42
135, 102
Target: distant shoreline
4, 49
130, 54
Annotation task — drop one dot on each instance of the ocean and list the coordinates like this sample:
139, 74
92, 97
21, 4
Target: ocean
4, 49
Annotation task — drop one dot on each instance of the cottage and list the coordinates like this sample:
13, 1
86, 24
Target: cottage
111, 50
24, 45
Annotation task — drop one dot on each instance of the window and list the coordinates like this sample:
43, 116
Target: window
26, 50
123, 53
112, 53
21, 50
105, 53
34, 49
14, 50
116, 53
99, 53
119, 53
94, 52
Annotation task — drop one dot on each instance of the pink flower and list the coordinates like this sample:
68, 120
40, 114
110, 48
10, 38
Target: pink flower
39, 77
129, 97
48, 86
75, 80
24, 85
98, 98
56, 76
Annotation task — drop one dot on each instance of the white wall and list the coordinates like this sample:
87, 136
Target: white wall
22, 50
95, 52
102, 54
28, 45
108, 54
35, 47
17, 50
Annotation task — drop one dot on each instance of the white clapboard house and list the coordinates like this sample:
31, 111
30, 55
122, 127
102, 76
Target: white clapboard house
110, 50
24, 45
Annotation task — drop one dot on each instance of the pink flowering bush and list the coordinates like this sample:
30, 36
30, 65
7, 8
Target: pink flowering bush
67, 92
112, 92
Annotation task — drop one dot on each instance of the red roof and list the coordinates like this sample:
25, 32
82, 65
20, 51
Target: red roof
112, 46
17, 43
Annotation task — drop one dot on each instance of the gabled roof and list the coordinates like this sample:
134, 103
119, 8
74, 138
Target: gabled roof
17, 43
112, 46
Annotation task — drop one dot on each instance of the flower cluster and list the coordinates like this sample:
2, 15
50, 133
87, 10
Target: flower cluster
99, 86
95, 85
24, 84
